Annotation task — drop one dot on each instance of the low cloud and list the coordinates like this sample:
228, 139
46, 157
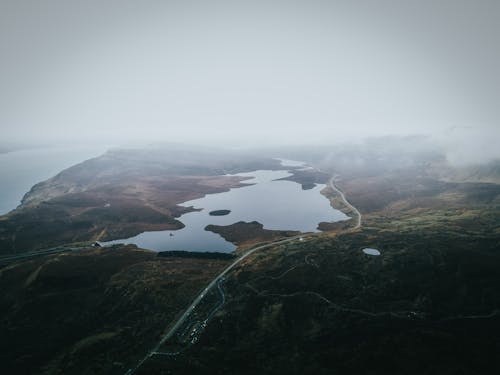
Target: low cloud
465, 146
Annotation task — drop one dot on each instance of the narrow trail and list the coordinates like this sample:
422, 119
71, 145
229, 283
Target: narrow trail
4, 260
399, 314
171, 332
101, 234
216, 283
200, 297
411, 315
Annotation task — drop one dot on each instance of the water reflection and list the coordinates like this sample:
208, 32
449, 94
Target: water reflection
370, 251
277, 204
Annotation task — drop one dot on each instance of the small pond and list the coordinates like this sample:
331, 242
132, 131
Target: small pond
370, 251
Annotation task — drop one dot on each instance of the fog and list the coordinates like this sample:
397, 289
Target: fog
251, 72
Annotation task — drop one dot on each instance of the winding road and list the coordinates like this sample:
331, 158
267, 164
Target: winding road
171, 332
200, 297
4, 260
354, 209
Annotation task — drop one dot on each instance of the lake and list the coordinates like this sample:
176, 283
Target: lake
277, 204
22, 169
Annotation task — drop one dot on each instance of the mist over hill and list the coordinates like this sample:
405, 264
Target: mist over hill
250, 187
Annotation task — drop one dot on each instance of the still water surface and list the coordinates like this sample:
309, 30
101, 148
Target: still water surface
279, 205
22, 169
370, 251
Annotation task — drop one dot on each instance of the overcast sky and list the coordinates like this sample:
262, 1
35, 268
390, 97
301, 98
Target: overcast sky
263, 71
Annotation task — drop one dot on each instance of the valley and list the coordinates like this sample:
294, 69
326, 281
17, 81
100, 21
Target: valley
295, 302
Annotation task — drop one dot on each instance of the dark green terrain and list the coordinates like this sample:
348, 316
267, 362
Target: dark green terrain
429, 304
91, 312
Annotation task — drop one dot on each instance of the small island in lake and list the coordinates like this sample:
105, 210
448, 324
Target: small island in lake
219, 212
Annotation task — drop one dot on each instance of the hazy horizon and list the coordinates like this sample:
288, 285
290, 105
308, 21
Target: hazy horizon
251, 73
